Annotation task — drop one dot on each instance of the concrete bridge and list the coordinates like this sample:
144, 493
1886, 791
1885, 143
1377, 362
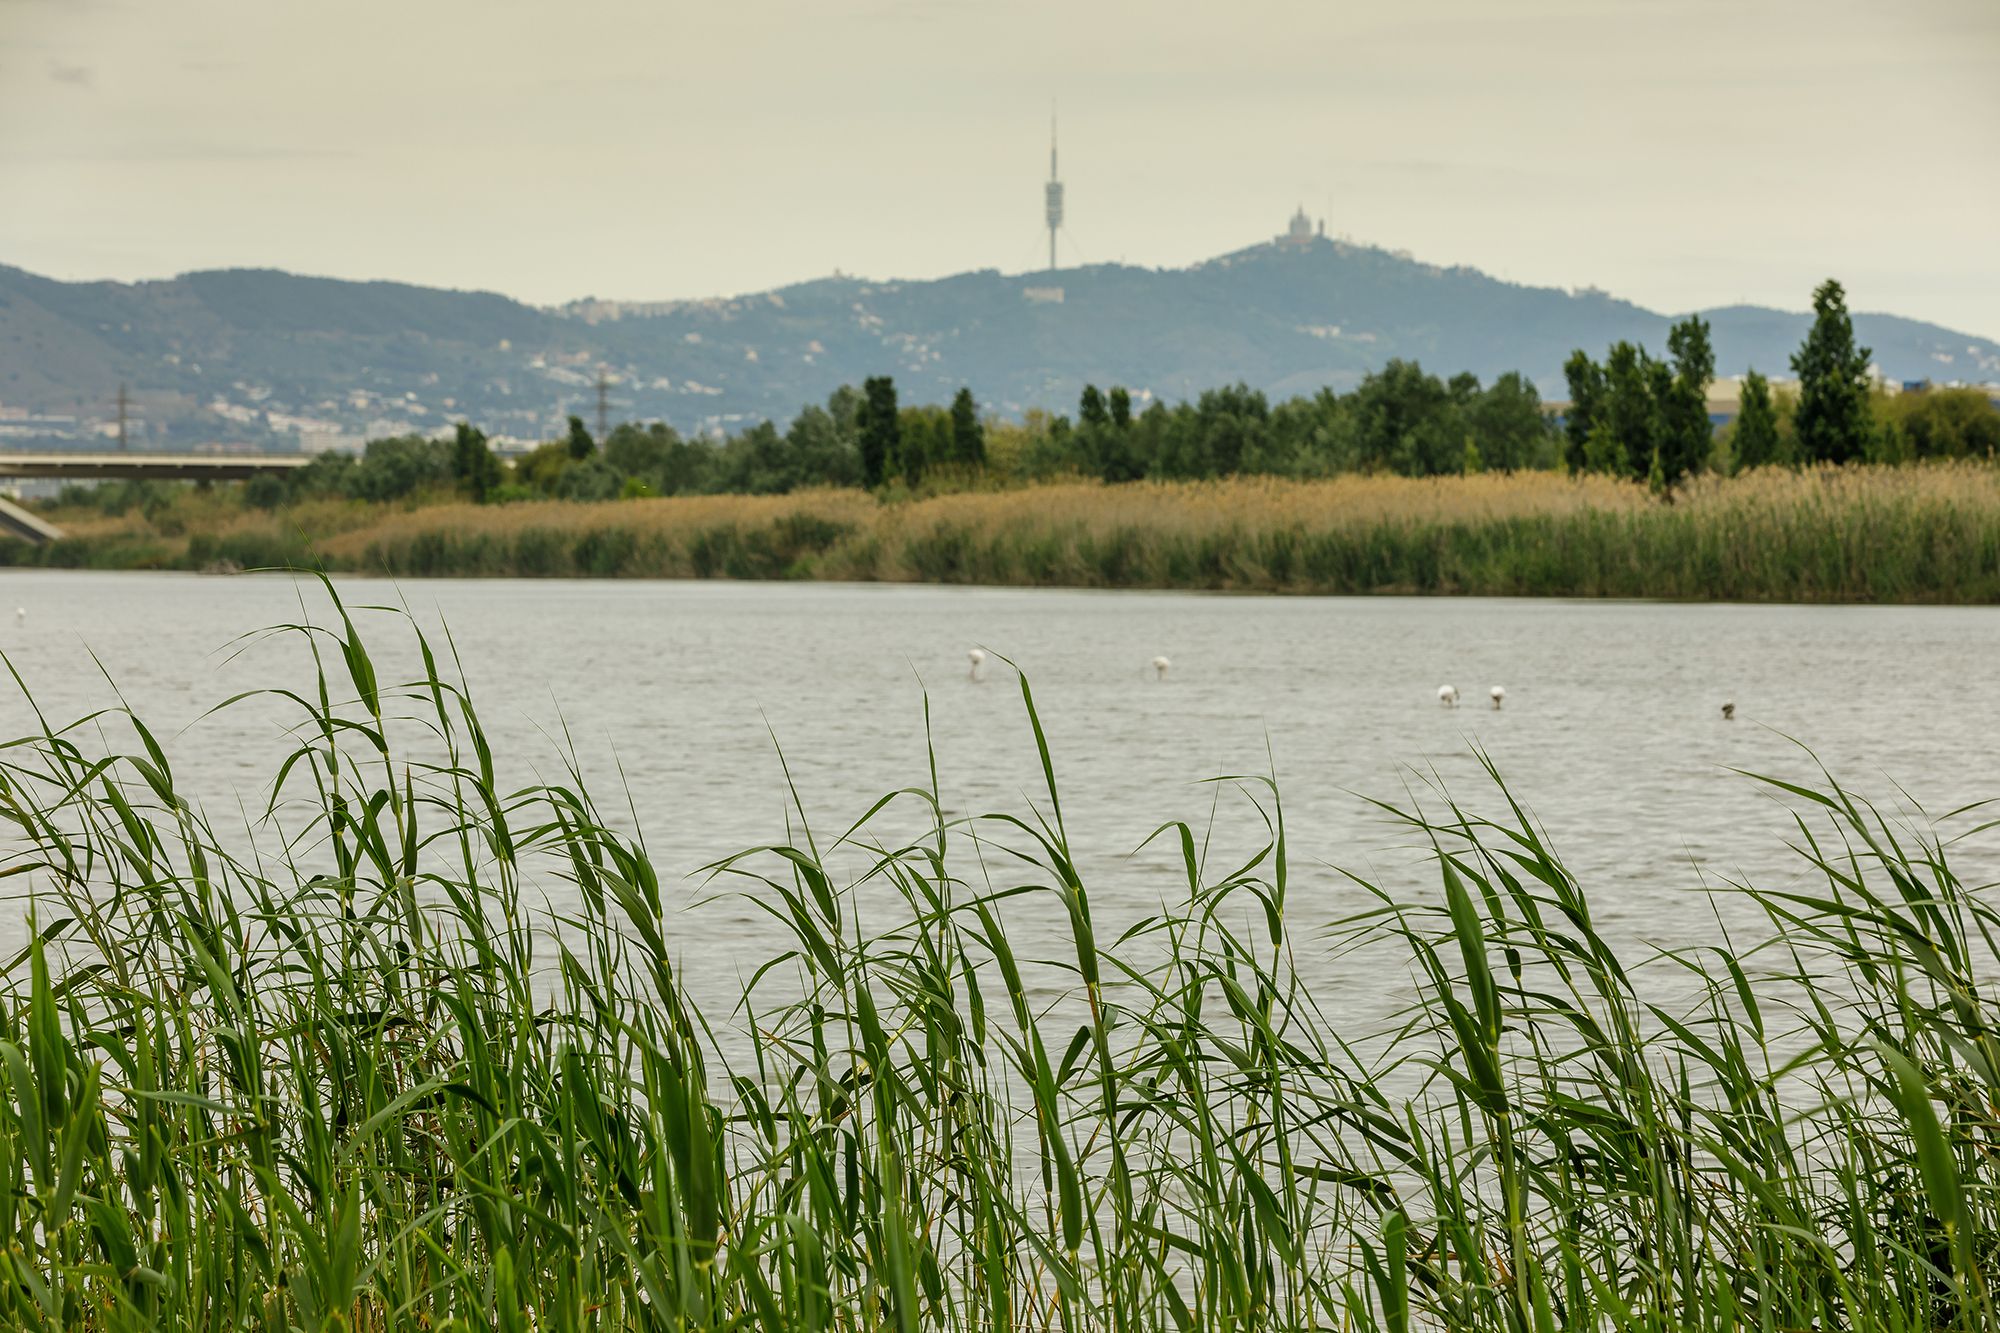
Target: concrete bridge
121, 466
164, 467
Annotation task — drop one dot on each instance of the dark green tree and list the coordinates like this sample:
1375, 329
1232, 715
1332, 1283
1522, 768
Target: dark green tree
581, 446
1755, 442
1230, 424
1150, 437
657, 457
264, 491
1407, 420
473, 465
590, 479
1052, 447
636, 450
823, 452
879, 429
758, 461
1508, 426
1687, 436
1832, 424
1947, 423
1121, 407
1660, 389
968, 436
924, 439
1091, 413
1105, 445
1630, 410
1112, 453
401, 465
1586, 403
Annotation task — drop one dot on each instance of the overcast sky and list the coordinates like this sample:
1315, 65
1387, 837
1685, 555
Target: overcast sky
1682, 153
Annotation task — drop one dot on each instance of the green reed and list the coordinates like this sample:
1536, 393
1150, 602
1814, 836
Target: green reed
339, 1069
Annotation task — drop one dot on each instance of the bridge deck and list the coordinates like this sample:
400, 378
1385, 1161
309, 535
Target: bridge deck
116, 466
164, 467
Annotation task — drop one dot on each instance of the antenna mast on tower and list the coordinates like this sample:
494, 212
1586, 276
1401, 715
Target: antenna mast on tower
1053, 197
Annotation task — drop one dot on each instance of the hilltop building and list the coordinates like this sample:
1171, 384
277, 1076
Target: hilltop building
1301, 232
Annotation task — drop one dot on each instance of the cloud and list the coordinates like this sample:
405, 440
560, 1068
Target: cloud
77, 76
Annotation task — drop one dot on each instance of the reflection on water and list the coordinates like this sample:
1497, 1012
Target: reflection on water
1612, 731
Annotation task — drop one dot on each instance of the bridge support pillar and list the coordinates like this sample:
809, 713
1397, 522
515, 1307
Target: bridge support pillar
30, 527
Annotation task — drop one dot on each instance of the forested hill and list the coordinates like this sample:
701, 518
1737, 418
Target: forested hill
247, 354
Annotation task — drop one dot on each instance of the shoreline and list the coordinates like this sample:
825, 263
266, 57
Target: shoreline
891, 585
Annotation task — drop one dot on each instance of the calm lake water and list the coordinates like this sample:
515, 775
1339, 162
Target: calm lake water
1611, 733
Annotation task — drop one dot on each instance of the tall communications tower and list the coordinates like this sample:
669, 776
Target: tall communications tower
1053, 197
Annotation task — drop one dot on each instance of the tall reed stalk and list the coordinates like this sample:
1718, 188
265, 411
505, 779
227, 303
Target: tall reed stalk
339, 1070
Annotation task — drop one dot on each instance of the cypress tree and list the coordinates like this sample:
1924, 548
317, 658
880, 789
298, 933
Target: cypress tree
1832, 421
881, 431
1121, 407
473, 465
1689, 437
581, 446
1091, 412
968, 436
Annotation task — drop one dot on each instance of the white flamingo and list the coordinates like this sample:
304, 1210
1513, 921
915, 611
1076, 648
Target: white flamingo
1496, 694
1160, 665
977, 657
1448, 695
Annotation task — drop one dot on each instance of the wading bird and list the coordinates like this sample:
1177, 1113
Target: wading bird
1496, 694
978, 659
1448, 696
1160, 665
1729, 710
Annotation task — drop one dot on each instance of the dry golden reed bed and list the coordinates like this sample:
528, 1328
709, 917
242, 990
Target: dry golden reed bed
1915, 533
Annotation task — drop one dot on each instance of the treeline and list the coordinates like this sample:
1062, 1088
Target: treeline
1401, 420
1645, 418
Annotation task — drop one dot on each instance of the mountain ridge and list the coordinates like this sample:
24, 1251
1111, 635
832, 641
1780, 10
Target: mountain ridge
259, 355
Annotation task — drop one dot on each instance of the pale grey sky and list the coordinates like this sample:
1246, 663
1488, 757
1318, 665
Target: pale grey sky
1682, 153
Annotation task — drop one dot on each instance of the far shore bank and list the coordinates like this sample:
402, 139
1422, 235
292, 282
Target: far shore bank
1928, 534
